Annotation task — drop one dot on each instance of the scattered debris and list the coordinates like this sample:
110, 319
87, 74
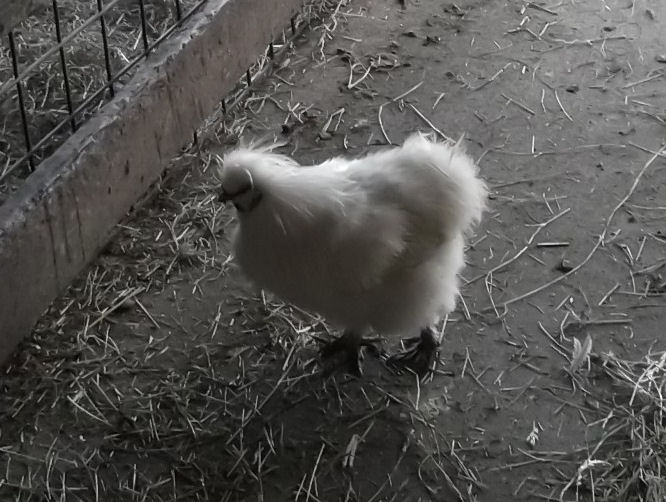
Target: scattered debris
581, 353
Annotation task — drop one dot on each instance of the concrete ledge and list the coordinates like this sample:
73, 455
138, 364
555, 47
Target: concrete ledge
64, 213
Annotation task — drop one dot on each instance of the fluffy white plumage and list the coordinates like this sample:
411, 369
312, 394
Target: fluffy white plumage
373, 242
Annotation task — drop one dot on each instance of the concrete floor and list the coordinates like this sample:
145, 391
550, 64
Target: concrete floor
195, 387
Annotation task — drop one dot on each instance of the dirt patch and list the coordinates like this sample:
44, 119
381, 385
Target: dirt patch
162, 375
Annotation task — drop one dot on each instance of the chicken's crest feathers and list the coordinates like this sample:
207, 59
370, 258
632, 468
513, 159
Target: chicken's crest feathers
291, 193
265, 144
254, 166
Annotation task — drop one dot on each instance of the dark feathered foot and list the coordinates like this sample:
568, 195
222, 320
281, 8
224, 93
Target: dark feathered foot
346, 350
420, 355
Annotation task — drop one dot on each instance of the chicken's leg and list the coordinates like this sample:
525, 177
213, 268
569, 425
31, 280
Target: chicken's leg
421, 353
346, 350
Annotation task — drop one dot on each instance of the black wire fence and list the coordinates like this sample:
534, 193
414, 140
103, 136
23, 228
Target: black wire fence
61, 64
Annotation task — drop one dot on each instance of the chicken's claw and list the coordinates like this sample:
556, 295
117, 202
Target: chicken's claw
420, 356
346, 350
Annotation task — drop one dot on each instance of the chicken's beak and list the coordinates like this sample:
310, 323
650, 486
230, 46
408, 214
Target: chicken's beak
224, 197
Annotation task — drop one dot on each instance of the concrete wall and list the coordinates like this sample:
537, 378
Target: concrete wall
64, 213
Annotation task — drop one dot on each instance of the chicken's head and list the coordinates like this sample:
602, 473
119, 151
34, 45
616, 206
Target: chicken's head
237, 182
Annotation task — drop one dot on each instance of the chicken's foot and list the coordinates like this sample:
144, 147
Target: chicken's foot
420, 355
346, 350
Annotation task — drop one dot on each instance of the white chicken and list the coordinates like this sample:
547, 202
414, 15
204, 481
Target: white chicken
372, 243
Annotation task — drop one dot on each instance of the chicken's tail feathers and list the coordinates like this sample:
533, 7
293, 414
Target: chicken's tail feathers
463, 194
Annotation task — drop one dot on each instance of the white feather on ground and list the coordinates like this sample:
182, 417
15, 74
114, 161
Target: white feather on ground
369, 243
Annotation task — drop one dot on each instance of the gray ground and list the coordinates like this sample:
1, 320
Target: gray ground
163, 376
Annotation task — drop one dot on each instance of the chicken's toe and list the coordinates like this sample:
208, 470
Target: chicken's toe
420, 356
346, 351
